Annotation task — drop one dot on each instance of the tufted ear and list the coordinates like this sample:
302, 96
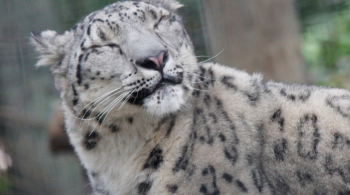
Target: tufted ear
52, 47
167, 4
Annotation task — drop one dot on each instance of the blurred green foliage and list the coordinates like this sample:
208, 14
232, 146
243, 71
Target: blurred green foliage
4, 184
325, 27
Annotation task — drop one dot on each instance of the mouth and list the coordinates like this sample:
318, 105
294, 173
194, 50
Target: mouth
138, 97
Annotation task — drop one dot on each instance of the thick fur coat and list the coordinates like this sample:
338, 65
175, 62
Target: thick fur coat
145, 117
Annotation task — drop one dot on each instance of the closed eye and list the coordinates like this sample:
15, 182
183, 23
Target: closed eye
111, 45
160, 20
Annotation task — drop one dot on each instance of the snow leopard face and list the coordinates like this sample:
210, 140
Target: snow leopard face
125, 58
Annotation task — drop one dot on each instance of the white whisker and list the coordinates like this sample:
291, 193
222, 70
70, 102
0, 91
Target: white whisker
106, 95
196, 89
126, 100
109, 109
111, 104
92, 102
194, 74
103, 101
214, 56
89, 119
128, 93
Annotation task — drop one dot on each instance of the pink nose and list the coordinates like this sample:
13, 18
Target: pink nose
155, 63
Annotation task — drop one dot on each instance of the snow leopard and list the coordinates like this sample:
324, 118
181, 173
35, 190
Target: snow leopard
145, 117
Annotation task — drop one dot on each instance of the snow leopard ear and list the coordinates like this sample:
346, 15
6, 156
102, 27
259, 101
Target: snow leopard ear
167, 4
52, 47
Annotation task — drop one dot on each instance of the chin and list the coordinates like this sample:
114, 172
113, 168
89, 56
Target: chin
165, 100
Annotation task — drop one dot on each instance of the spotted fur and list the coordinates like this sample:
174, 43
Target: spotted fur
146, 118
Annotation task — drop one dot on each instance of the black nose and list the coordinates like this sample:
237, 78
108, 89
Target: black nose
155, 62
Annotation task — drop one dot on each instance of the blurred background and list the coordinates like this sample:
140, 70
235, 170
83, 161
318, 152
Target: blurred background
303, 41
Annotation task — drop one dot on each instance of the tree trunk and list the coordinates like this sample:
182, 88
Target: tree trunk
257, 36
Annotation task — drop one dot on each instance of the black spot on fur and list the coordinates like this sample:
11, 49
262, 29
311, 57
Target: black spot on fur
79, 75
172, 188
93, 174
114, 128
208, 137
86, 113
207, 100
182, 163
153, 13
296, 96
340, 141
100, 118
86, 86
241, 186
282, 186
259, 177
162, 122
212, 76
89, 30
202, 73
333, 169
205, 134
196, 92
144, 187
92, 16
170, 128
86, 57
130, 120
222, 137
307, 146
75, 27
75, 102
185, 88
110, 26
154, 159
231, 154
340, 104
98, 20
213, 116
81, 57
254, 94
172, 19
91, 139
250, 159
75, 93
218, 103
304, 178
228, 82
279, 149
82, 45
276, 117
227, 177
102, 35
209, 188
